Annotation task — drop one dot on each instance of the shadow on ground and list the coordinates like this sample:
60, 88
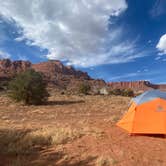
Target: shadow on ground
150, 135
64, 102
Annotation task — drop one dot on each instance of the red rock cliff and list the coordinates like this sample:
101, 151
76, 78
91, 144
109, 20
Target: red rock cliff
9, 68
136, 85
54, 72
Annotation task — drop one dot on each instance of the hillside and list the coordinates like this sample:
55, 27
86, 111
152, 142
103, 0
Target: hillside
55, 73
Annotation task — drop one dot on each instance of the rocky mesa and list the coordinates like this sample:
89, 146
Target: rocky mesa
55, 73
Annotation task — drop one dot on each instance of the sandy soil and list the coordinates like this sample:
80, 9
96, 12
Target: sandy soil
85, 130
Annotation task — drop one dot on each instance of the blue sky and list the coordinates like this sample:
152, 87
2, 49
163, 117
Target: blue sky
115, 40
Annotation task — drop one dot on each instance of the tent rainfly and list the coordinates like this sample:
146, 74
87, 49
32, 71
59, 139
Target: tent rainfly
147, 114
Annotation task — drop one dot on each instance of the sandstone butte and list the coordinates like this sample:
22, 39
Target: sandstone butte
66, 77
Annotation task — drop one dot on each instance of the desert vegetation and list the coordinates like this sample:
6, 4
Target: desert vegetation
122, 92
84, 88
72, 130
26, 142
28, 87
66, 119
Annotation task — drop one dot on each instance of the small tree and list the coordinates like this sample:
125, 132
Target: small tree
28, 87
84, 88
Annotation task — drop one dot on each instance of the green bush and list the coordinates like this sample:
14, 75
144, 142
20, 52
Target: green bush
29, 88
84, 88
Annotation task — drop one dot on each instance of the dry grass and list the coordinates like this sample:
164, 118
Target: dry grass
93, 131
105, 161
70, 129
58, 135
26, 142
20, 142
64, 119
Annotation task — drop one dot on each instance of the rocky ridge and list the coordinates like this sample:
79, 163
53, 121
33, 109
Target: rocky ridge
137, 85
63, 77
55, 73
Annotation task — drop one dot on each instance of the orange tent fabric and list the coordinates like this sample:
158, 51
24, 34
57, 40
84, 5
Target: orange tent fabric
147, 114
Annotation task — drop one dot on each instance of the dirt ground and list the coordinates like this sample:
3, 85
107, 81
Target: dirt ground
73, 131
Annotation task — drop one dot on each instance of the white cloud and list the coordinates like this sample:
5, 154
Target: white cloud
4, 55
158, 58
161, 46
74, 31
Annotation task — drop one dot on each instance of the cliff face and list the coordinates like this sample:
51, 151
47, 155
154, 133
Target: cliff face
9, 68
136, 85
54, 72
66, 77
53, 69
161, 87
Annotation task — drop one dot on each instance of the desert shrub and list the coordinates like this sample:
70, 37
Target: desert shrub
122, 92
128, 92
116, 92
84, 88
28, 87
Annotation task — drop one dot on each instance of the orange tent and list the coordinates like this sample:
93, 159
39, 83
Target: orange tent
147, 114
